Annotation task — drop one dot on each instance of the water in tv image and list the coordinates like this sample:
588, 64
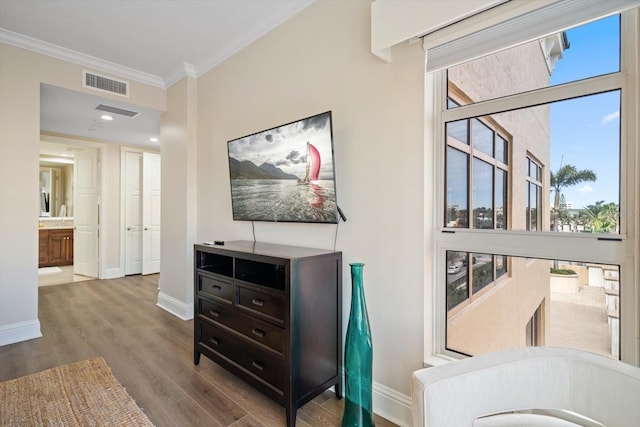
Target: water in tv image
285, 173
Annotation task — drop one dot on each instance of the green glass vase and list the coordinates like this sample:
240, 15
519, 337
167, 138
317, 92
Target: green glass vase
358, 408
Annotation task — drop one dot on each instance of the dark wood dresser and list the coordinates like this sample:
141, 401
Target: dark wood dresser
271, 314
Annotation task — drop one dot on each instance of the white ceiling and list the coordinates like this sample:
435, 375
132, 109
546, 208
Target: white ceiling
153, 41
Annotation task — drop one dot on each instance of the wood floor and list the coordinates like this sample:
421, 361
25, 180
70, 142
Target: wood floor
151, 353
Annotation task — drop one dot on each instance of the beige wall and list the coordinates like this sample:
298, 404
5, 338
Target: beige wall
179, 184
21, 73
320, 60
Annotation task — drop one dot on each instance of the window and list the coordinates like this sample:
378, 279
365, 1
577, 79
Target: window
476, 173
484, 270
534, 195
537, 162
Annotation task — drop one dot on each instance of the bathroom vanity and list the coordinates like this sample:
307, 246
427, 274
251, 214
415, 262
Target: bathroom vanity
55, 244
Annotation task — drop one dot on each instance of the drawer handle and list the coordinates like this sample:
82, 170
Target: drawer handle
214, 313
258, 365
257, 301
216, 287
214, 341
258, 332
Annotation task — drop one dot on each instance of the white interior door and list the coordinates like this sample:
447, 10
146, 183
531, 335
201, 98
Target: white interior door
133, 213
86, 218
150, 213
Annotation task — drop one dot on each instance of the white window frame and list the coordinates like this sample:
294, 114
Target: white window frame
619, 249
538, 183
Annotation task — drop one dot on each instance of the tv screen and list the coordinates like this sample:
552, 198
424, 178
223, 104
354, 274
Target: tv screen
285, 174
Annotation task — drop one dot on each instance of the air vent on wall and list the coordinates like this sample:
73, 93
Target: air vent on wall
95, 81
116, 110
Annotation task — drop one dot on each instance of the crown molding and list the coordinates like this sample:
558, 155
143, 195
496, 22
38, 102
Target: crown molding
186, 70
251, 36
44, 48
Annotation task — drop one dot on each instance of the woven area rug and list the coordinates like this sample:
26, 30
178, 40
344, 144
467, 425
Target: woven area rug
79, 394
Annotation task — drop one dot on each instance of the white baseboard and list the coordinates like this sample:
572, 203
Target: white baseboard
175, 306
21, 331
392, 405
113, 273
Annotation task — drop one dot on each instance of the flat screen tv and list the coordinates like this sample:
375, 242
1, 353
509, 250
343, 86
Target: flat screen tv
285, 174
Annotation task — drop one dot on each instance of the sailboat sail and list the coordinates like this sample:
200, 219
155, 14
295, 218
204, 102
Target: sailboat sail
313, 165
313, 157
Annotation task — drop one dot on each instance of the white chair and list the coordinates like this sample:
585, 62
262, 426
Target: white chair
546, 386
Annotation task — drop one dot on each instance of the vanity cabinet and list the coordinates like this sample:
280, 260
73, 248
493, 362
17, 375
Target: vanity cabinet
55, 247
271, 314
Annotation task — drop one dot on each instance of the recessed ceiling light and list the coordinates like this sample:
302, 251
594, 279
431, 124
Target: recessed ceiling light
106, 117
154, 139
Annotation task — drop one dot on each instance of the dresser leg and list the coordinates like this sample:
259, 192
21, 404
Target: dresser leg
196, 357
338, 389
291, 416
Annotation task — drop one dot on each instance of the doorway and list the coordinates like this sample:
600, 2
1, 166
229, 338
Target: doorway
87, 120
140, 198
70, 188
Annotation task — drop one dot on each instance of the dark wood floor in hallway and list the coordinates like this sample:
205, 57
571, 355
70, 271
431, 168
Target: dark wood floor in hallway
151, 353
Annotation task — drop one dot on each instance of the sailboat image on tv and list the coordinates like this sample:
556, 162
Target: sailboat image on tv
285, 174
313, 165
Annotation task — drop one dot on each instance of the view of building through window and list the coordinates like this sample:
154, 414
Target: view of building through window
550, 167
573, 304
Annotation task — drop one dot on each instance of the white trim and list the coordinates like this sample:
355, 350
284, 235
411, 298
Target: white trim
103, 159
20, 331
480, 21
392, 405
394, 22
123, 199
72, 56
548, 245
251, 35
174, 306
605, 83
186, 70
113, 273
506, 33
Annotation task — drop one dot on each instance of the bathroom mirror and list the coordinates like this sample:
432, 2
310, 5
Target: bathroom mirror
56, 187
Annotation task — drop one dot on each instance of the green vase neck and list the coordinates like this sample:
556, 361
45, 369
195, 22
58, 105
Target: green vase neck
358, 302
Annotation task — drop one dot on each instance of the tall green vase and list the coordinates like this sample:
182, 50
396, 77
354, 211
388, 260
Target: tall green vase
358, 408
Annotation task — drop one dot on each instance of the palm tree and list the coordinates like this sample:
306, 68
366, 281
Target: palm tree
566, 176
603, 218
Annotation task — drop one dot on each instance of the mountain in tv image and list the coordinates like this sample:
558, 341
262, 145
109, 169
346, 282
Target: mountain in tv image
248, 170
267, 193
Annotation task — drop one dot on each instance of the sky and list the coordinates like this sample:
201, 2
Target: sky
585, 132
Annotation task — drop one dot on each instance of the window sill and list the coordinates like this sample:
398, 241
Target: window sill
437, 360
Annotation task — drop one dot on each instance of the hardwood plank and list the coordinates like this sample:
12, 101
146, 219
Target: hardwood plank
266, 410
186, 412
150, 352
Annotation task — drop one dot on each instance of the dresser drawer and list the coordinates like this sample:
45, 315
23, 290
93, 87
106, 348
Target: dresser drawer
215, 287
258, 330
254, 360
217, 311
269, 305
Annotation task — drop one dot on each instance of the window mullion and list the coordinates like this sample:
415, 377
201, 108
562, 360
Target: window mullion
551, 245
546, 95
